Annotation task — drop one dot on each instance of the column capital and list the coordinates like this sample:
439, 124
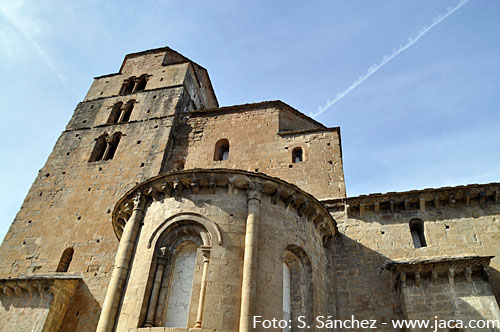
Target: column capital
139, 201
254, 191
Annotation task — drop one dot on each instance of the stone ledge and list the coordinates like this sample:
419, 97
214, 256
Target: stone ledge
197, 181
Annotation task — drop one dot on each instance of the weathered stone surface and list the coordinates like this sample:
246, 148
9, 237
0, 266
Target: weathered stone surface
149, 164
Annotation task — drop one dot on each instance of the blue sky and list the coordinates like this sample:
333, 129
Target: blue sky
428, 118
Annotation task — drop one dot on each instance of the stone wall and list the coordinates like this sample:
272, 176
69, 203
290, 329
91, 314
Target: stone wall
374, 230
268, 151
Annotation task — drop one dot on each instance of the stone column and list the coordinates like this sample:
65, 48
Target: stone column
153, 300
160, 305
122, 264
248, 291
206, 258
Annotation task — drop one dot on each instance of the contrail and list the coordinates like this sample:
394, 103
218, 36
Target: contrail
388, 58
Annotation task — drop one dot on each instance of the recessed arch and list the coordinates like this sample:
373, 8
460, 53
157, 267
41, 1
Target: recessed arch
221, 150
213, 232
300, 285
297, 155
65, 261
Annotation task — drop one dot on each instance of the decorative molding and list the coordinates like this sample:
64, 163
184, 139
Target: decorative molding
448, 267
188, 183
483, 195
37, 285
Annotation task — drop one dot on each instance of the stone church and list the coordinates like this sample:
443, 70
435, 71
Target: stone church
158, 210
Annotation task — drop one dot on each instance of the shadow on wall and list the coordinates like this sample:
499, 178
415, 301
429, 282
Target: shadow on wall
365, 288
83, 311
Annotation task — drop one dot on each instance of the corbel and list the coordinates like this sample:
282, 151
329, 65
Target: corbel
362, 209
482, 198
422, 204
151, 192
418, 279
452, 201
166, 189
302, 208
402, 278
407, 204
276, 195
468, 274
212, 185
451, 275
434, 276
467, 198
436, 201
195, 184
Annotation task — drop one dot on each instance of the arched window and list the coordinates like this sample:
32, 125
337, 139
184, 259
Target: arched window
127, 111
99, 148
178, 279
287, 304
128, 86
112, 143
297, 156
115, 113
221, 150
297, 273
66, 258
179, 298
417, 233
141, 83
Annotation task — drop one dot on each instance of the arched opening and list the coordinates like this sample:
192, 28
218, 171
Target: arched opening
112, 145
128, 86
115, 113
179, 270
221, 150
127, 111
66, 258
287, 304
179, 298
99, 148
297, 155
141, 83
300, 286
417, 233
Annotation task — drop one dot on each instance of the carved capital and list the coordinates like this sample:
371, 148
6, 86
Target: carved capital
254, 191
139, 201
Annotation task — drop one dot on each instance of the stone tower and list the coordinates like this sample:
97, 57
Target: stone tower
157, 209
150, 142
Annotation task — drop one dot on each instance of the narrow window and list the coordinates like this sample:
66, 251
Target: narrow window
128, 86
417, 233
297, 155
66, 258
99, 148
287, 304
297, 273
141, 83
221, 150
181, 285
115, 113
127, 110
112, 145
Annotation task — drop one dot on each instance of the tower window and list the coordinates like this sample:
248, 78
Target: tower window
127, 111
221, 150
120, 112
66, 258
99, 148
134, 84
417, 233
116, 111
112, 145
297, 155
105, 147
